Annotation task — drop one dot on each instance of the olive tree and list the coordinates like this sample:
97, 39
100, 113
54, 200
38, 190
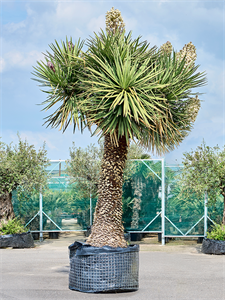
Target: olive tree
203, 171
22, 168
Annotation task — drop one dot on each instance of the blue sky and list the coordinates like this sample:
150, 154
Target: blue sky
28, 27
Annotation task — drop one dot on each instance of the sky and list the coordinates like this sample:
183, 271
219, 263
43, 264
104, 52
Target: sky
28, 27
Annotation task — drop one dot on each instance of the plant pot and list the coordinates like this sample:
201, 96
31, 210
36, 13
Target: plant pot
53, 235
136, 236
200, 240
213, 246
20, 240
103, 269
36, 235
160, 238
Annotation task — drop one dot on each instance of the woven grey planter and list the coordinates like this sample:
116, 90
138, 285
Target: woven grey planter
213, 246
20, 240
105, 269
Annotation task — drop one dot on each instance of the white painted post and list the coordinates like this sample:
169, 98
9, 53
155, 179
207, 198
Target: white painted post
163, 202
41, 218
205, 214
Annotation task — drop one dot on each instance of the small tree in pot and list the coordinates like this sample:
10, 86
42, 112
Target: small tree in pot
204, 172
128, 91
22, 168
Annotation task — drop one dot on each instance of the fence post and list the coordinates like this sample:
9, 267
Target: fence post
90, 209
205, 214
41, 218
163, 202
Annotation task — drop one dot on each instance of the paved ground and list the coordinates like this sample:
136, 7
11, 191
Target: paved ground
166, 272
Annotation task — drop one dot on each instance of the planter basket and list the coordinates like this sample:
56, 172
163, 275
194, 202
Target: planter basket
105, 269
53, 235
213, 246
20, 240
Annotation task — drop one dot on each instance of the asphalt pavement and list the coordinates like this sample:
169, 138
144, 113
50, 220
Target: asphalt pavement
179, 272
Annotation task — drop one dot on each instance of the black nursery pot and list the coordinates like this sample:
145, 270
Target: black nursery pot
20, 240
103, 269
136, 236
213, 246
53, 235
36, 235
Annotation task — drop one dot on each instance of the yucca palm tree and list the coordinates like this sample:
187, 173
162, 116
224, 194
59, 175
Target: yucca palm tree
128, 91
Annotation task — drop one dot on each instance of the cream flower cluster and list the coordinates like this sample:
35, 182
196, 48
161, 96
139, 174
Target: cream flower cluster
114, 20
190, 51
193, 108
166, 48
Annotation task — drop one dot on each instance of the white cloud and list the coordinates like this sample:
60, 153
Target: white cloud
64, 18
209, 15
73, 11
95, 24
17, 59
24, 41
12, 27
185, 19
215, 72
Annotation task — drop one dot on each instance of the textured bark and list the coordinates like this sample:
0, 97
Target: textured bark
6, 208
107, 228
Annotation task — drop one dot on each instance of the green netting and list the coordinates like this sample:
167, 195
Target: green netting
66, 206
185, 216
26, 208
142, 197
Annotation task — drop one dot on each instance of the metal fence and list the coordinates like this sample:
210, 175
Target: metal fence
150, 203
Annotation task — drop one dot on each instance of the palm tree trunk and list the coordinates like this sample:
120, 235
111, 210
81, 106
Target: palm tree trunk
107, 228
6, 208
